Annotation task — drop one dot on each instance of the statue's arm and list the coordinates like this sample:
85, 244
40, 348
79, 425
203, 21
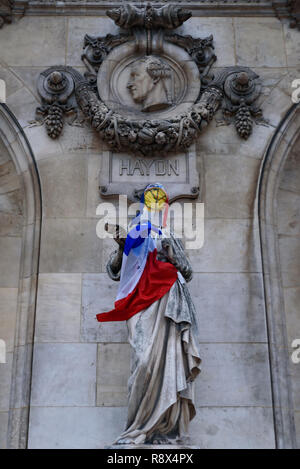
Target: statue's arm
114, 264
176, 255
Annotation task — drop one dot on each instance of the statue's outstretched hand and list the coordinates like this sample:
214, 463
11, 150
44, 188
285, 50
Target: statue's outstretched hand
119, 234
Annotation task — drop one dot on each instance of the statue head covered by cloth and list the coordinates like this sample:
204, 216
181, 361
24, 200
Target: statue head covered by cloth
148, 83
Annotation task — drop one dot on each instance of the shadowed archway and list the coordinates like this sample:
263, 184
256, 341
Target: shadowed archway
18, 150
272, 168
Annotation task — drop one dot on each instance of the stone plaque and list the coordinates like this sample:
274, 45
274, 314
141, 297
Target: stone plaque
123, 173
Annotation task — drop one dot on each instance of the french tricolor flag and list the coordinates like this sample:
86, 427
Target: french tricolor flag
144, 279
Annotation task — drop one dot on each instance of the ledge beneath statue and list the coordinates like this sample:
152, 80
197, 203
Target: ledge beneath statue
151, 447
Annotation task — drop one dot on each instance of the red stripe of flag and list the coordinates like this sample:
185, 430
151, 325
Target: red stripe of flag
156, 280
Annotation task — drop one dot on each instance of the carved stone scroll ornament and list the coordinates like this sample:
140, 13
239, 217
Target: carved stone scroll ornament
96, 49
288, 9
294, 9
149, 17
5, 11
200, 50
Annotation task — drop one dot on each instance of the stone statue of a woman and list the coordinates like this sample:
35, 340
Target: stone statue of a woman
154, 299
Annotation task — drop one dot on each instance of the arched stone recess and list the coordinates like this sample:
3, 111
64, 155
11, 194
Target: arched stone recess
272, 168
18, 148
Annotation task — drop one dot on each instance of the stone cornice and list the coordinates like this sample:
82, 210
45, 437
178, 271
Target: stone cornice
99, 7
5, 11
288, 9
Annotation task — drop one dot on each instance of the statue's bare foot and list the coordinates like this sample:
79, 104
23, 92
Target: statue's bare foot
161, 440
124, 441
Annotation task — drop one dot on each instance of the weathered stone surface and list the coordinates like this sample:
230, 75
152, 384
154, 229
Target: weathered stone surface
78, 27
58, 308
259, 43
289, 248
70, 245
61, 173
95, 162
11, 208
10, 225
27, 307
30, 250
42, 145
241, 318
297, 422
21, 379
229, 246
276, 103
234, 375
4, 156
31, 199
11, 203
153, 447
3, 429
5, 373
10, 248
8, 310
295, 378
288, 212
75, 427
64, 375
292, 44
98, 295
233, 428
12, 82
223, 140
80, 138
9, 179
26, 76
23, 104
233, 196
113, 369
92, 428
223, 33
291, 305
25, 49
291, 174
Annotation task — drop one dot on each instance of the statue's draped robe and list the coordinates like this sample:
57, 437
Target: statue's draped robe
165, 360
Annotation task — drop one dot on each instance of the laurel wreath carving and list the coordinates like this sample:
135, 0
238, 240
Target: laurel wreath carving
148, 137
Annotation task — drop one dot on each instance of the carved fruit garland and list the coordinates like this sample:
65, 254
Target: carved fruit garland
148, 137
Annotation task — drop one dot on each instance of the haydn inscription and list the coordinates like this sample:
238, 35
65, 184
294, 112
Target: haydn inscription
124, 174
143, 167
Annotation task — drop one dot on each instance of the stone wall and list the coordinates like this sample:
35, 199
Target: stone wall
80, 368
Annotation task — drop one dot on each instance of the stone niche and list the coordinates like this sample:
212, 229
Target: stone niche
75, 375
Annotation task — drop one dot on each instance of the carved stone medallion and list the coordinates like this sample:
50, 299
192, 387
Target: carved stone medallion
149, 92
157, 86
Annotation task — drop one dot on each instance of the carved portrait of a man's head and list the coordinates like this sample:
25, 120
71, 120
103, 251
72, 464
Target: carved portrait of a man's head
148, 83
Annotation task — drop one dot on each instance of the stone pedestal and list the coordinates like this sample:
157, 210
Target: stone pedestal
152, 447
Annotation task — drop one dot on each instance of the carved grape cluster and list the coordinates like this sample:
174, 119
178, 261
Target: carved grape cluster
54, 120
243, 121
